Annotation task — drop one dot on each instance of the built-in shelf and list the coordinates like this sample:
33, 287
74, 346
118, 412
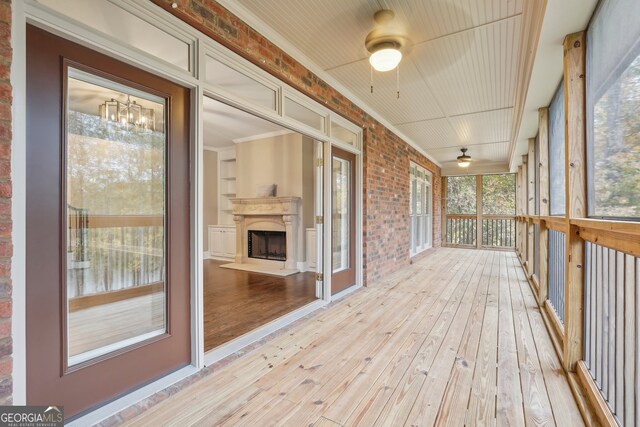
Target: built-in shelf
226, 185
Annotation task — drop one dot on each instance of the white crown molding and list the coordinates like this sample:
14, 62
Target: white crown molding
263, 136
276, 38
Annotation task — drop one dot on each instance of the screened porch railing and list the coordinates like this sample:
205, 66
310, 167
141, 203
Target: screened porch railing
611, 320
498, 231
461, 230
557, 255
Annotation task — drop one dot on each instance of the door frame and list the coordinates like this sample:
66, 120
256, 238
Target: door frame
28, 11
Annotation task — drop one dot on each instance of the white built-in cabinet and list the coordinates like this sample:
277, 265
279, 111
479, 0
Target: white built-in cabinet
222, 242
226, 184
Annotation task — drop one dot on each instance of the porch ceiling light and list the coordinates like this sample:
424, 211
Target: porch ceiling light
386, 58
464, 160
386, 43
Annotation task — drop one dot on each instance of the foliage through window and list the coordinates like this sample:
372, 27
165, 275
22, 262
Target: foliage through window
461, 195
499, 194
613, 106
556, 153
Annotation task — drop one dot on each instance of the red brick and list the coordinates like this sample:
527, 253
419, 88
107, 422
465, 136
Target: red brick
6, 248
5, 109
5, 309
5, 13
6, 366
6, 348
5, 230
5, 328
5, 136
5, 189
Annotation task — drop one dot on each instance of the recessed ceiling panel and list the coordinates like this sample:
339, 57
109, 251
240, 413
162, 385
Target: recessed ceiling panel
490, 126
431, 134
474, 70
416, 101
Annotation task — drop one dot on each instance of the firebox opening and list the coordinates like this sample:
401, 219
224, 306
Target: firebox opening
271, 245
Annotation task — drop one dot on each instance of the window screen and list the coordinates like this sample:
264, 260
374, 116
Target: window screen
556, 153
613, 110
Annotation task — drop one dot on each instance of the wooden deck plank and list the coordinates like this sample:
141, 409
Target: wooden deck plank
509, 409
397, 409
393, 353
440, 374
456, 395
563, 404
537, 408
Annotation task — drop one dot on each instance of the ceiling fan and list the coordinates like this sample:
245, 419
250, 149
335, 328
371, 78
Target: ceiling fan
464, 160
386, 42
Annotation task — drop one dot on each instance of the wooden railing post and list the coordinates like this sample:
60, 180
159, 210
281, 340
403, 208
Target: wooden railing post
478, 211
443, 219
543, 171
576, 194
531, 203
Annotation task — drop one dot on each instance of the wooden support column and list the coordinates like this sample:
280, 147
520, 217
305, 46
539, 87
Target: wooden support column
576, 194
478, 211
543, 171
531, 202
443, 219
525, 208
519, 211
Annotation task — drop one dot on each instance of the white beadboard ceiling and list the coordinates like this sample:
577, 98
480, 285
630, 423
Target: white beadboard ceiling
457, 81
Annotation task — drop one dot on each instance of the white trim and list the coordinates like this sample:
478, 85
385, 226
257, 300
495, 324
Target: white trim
18, 203
343, 293
242, 341
254, 22
262, 136
111, 408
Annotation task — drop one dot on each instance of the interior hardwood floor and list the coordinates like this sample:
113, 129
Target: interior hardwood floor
454, 339
236, 302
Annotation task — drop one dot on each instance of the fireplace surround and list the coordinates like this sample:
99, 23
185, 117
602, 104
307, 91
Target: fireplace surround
279, 215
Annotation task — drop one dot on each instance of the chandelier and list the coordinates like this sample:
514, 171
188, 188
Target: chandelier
129, 115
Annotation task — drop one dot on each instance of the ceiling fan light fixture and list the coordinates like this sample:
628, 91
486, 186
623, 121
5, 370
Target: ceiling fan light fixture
464, 160
385, 59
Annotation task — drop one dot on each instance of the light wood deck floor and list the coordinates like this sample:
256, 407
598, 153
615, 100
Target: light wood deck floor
454, 339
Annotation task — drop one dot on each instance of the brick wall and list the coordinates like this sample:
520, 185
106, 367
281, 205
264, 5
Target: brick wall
386, 156
6, 248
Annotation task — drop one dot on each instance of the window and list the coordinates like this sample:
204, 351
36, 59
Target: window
461, 195
613, 110
419, 208
556, 153
499, 194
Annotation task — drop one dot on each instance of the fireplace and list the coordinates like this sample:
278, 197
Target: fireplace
270, 245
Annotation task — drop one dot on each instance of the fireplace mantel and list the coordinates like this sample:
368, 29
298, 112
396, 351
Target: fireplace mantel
273, 213
266, 206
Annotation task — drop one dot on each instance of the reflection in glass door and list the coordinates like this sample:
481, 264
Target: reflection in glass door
115, 215
342, 220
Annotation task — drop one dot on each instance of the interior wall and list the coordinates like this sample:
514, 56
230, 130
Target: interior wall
274, 160
287, 161
210, 193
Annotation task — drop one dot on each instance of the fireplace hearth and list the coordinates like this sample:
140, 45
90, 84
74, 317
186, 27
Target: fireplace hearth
269, 245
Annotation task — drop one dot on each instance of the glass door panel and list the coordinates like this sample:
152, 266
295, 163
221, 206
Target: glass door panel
341, 171
343, 204
115, 212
